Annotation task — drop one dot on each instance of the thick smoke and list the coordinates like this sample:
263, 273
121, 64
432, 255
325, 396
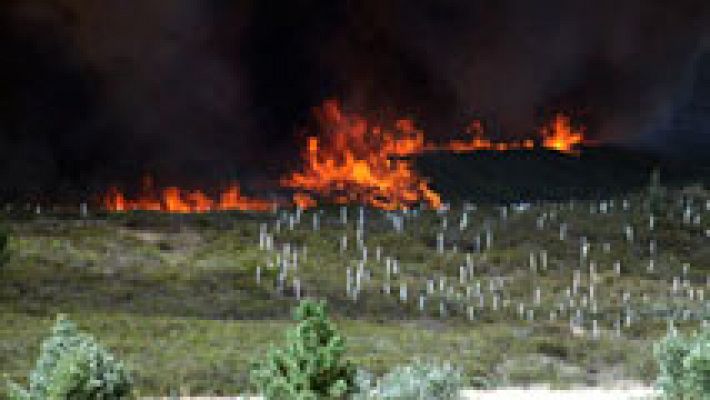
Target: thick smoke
197, 91
100, 91
620, 66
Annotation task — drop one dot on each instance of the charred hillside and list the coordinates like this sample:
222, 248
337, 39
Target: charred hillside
529, 175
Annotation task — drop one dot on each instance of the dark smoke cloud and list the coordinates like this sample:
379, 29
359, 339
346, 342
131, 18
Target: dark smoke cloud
621, 65
110, 90
209, 90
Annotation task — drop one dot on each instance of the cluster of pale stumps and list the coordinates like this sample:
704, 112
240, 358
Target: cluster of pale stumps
595, 298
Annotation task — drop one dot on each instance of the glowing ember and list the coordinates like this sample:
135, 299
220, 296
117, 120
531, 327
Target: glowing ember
176, 200
355, 161
559, 135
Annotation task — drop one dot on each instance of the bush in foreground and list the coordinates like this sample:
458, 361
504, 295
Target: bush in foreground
311, 365
73, 366
417, 381
684, 364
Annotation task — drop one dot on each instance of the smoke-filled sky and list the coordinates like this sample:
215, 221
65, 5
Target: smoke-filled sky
92, 91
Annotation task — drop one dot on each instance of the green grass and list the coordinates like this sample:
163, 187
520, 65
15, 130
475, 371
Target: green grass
212, 357
176, 297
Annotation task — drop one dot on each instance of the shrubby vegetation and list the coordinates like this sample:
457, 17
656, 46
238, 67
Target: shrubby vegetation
73, 366
418, 381
170, 287
311, 365
684, 364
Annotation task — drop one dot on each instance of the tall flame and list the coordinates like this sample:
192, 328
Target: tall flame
354, 160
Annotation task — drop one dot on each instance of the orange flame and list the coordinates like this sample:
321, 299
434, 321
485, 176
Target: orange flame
353, 160
175, 200
480, 142
304, 200
559, 135
356, 161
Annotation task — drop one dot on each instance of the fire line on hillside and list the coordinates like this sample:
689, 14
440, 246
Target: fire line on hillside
351, 160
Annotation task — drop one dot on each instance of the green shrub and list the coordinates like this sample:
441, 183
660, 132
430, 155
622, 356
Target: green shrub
311, 365
417, 381
684, 364
670, 353
72, 366
697, 368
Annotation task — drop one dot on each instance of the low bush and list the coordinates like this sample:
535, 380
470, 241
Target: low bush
697, 367
73, 366
684, 364
417, 381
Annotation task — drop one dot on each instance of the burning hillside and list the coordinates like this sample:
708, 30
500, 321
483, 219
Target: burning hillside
356, 161
353, 160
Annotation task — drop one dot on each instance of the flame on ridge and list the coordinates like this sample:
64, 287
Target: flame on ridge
559, 135
176, 200
356, 161
352, 160
480, 142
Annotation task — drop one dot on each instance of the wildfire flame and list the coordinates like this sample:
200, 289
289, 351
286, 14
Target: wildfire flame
176, 200
559, 135
479, 142
354, 160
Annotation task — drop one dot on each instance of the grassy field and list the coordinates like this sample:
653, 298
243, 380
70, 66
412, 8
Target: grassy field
176, 296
